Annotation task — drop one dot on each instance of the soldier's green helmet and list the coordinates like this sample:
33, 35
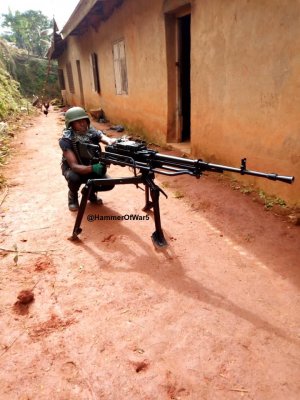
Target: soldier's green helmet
74, 114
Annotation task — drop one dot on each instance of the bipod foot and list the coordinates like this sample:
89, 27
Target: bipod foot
75, 234
73, 238
159, 240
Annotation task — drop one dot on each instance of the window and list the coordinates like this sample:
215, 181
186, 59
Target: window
61, 79
70, 78
95, 70
120, 67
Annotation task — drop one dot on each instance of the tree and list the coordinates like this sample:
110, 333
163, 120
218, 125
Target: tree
28, 30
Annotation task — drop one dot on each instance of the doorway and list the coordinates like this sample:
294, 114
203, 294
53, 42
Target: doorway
184, 59
178, 57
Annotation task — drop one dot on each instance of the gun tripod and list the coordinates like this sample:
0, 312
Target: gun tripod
151, 191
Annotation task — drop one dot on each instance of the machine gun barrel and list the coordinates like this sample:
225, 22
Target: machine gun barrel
197, 167
136, 154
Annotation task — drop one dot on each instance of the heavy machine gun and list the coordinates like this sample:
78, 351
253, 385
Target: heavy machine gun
145, 163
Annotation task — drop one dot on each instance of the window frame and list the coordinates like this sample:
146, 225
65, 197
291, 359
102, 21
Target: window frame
120, 67
94, 60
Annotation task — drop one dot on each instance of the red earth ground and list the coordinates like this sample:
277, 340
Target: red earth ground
213, 316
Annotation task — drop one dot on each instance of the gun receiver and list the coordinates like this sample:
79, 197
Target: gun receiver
145, 163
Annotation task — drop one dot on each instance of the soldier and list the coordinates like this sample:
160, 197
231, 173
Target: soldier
75, 169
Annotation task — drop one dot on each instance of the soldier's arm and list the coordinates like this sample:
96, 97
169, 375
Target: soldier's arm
107, 140
98, 168
73, 163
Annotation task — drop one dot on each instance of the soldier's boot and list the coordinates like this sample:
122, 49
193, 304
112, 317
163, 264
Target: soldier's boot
73, 201
94, 199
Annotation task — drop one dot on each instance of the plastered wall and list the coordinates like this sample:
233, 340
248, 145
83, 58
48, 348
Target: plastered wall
246, 86
141, 25
245, 80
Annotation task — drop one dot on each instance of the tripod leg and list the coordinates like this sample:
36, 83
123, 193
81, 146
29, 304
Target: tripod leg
157, 236
148, 203
86, 191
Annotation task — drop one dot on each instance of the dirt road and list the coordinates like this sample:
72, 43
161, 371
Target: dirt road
214, 316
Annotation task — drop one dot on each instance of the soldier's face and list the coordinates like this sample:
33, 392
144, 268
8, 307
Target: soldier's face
80, 126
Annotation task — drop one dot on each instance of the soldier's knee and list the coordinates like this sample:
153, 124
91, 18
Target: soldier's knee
73, 177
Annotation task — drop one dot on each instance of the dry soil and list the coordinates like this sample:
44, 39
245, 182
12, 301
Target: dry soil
213, 316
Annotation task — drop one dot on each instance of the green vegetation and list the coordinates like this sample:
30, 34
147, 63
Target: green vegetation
29, 31
21, 77
23, 53
11, 100
178, 194
34, 78
270, 201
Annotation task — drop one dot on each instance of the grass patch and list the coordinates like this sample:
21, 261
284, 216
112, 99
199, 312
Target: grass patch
178, 195
271, 201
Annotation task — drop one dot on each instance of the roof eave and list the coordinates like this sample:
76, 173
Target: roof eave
80, 12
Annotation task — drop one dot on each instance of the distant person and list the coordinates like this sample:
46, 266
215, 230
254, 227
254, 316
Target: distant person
75, 169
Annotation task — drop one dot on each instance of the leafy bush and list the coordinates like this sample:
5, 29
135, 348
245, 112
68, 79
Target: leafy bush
23, 76
10, 98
